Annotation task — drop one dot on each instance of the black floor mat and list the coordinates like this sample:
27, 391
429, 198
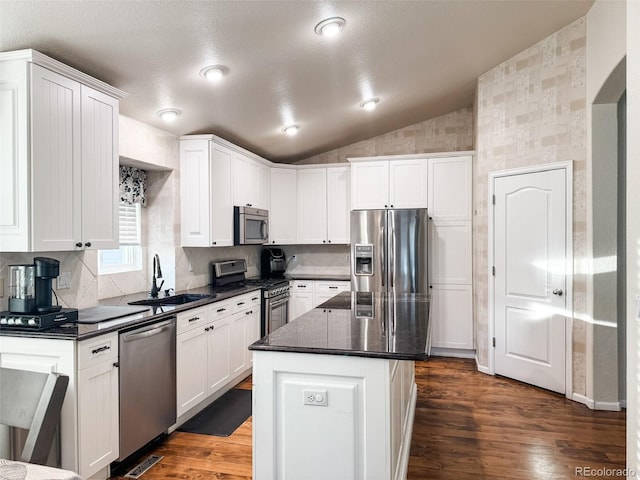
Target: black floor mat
223, 416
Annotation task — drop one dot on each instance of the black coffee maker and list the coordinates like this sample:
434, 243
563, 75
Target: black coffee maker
272, 263
30, 286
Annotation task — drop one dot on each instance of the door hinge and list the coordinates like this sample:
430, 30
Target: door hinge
494, 341
493, 271
493, 199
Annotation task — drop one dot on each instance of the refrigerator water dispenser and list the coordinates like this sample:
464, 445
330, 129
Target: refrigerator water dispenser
364, 259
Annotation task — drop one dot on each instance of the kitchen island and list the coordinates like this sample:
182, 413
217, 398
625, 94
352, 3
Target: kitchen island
334, 391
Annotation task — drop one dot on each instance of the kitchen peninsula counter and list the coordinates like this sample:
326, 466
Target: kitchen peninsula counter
334, 391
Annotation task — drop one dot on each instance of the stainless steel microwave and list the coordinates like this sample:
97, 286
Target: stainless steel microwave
250, 226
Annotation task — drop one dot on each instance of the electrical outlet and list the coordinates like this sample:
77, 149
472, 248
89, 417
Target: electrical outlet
1, 287
64, 280
314, 397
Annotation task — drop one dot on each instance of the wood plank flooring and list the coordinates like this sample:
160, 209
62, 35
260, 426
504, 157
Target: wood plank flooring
468, 425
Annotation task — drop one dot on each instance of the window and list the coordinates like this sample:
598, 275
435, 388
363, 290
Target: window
127, 258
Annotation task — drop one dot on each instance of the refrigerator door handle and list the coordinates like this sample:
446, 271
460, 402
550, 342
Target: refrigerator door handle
383, 256
392, 253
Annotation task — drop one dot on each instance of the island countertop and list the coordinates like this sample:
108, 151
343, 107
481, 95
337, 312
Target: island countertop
382, 325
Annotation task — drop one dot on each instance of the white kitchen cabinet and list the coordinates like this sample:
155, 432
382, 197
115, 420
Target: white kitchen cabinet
380, 184
449, 188
451, 310
308, 294
246, 181
338, 204
218, 337
326, 290
98, 400
206, 203
312, 205
265, 186
191, 358
253, 319
450, 252
282, 213
237, 356
59, 138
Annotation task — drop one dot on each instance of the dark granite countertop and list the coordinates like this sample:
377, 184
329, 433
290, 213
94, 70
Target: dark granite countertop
82, 331
377, 325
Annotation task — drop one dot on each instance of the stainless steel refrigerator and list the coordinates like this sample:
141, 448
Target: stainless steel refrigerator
389, 251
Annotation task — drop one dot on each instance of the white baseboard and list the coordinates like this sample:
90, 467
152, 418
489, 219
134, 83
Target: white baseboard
623, 404
482, 368
594, 405
452, 352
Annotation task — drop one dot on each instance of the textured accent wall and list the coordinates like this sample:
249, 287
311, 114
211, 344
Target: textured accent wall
447, 133
531, 110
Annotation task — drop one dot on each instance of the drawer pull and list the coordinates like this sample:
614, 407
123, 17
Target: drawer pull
255, 298
333, 287
101, 349
220, 310
116, 364
240, 303
302, 286
249, 312
194, 319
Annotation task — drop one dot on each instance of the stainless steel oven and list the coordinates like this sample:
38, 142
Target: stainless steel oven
275, 307
250, 226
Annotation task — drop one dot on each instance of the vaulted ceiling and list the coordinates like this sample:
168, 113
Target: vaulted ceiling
421, 60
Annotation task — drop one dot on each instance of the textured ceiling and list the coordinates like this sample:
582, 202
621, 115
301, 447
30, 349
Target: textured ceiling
421, 58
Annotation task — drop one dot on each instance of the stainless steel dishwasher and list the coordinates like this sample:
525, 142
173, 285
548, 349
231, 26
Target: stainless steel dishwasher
147, 384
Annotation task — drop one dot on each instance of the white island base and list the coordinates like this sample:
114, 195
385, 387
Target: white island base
319, 416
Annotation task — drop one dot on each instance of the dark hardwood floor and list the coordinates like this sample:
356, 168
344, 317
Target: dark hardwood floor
468, 425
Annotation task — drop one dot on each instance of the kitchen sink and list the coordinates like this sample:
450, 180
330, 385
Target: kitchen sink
174, 300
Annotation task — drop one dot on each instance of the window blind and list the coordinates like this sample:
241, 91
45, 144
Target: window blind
129, 223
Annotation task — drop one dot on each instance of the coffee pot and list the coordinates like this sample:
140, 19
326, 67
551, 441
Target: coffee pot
30, 286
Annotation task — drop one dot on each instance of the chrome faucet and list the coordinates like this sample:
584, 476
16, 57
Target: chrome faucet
157, 273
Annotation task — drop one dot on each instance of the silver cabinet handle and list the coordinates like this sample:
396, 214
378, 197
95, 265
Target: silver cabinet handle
558, 291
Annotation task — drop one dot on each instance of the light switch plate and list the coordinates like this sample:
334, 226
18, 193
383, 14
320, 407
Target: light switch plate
64, 280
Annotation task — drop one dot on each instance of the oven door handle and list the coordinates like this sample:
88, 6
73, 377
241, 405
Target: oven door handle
279, 302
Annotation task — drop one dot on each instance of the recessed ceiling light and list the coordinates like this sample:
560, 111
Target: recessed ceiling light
214, 73
291, 129
330, 27
370, 104
169, 114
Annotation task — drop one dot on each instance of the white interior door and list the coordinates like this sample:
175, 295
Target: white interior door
530, 274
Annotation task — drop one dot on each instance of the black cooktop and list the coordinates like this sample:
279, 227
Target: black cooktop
266, 282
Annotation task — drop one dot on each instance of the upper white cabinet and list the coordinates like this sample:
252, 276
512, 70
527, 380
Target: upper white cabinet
282, 213
380, 184
206, 203
215, 176
59, 156
323, 205
450, 188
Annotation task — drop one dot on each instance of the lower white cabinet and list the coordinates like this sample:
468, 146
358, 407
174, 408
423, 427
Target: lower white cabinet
98, 400
451, 313
308, 294
212, 347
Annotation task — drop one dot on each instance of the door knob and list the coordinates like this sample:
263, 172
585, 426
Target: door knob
558, 291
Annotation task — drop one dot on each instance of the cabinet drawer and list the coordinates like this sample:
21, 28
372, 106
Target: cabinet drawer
302, 286
247, 300
97, 350
191, 319
221, 309
336, 287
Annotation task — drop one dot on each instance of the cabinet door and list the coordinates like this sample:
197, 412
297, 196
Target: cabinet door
238, 344
265, 186
452, 316
450, 252
218, 338
253, 331
98, 417
14, 158
312, 205
191, 369
221, 196
369, 185
301, 303
339, 328
246, 181
194, 193
282, 216
450, 188
408, 183
100, 174
338, 204
56, 161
